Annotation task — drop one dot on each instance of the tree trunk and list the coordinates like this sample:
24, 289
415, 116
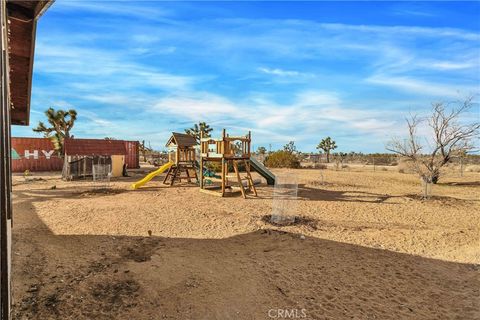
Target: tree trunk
435, 178
328, 157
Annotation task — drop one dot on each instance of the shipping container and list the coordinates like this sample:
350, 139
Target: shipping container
132, 159
34, 154
37, 154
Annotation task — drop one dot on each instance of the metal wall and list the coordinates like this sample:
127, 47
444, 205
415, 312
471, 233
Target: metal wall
34, 154
37, 154
132, 158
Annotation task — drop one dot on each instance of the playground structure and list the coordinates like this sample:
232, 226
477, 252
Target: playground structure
231, 151
151, 175
182, 156
227, 150
181, 159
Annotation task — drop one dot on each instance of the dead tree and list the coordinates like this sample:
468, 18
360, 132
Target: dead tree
448, 138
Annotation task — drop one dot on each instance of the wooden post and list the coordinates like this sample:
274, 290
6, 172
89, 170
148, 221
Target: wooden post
461, 167
201, 161
85, 167
5, 171
223, 176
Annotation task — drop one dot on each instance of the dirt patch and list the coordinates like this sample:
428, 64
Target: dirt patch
111, 295
440, 200
140, 251
364, 246
298, 221
101, 191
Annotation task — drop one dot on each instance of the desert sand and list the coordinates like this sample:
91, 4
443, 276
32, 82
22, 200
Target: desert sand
366, 247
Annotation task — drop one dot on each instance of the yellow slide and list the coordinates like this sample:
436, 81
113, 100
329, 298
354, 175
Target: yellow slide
150, 176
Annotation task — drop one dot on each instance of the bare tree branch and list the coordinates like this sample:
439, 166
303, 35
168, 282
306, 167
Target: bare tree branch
449, 137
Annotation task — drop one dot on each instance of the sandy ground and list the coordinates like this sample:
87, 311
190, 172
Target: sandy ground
366, 247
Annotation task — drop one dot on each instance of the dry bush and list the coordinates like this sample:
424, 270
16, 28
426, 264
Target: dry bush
282, 159
473, 168
321, 166
405, 166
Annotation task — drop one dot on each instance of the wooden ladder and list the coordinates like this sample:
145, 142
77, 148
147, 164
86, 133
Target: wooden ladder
175, 173
171, 174
250, 186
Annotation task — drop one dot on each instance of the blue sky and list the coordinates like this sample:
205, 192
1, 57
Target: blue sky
285, 70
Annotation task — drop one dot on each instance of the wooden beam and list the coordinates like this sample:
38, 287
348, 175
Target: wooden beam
19, 12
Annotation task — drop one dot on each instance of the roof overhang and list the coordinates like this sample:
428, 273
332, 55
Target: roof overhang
22, 16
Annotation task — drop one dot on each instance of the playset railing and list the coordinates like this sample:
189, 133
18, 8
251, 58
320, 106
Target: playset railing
226, 147
181, 155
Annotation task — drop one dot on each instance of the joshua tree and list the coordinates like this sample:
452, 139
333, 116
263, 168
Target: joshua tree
61, 122
342, 156
290, 147
262, 150
201, 127
327, 145
448, 138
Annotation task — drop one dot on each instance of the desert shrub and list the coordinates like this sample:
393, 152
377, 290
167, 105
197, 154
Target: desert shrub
382, 159
383, 169
310, 165
473, 168
344, 166
405, 166
282, 159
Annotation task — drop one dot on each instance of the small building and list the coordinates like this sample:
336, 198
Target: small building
82, 154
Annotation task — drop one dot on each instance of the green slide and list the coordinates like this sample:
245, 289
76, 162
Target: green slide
263, 171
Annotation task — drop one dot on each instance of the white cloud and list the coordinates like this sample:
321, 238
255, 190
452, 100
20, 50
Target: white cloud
95, 118
280, 72
407, 12
117, 8
111, 68
451, 65
198, 106
404, 30
413, 85
309, 112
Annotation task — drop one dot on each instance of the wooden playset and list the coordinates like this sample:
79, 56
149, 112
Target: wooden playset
182, 157
228, 151
231, 152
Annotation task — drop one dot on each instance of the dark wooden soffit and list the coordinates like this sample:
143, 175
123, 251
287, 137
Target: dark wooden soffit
22, 17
